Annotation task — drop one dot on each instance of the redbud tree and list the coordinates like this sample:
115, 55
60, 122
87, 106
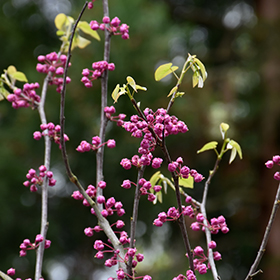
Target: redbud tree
152, 127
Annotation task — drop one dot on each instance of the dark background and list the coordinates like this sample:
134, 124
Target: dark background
238, 41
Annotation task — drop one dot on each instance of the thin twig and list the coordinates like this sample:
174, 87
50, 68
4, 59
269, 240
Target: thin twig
134, 217
261, 251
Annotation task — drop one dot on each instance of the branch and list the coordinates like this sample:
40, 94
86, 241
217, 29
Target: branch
104, 224
134, 217
203, 211
261, 251
104, 91
44, 213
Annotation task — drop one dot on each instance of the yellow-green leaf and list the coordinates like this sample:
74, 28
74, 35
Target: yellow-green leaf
85, 27
235, 147
223, 129
154, 179
141, 88
164, 70
209, 146
11, 70
186, 183
80, 42
201, 67
159, 197
60, 20
3, 93
131, 82
60, 33
172, 91
19, 76
116, 92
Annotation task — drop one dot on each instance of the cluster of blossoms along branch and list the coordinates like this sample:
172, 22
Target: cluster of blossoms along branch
271, 163
98, 68
145, 187
114, 26
189, 276
55, 64
34, 179
184, 171
214, 226
51, 130
28, 245
130, 253
109, 204
11, 272
25, 97
96, 144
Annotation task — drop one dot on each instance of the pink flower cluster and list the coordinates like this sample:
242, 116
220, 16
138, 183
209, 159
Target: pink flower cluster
131, 253
270, 164
98, 68
145, 186
114, 26
25, 97
96, 144
109, 204
184, 171
51, 130
27, 245
55, 64
200, 258
34, 179
214, 226
118, 119
189, 276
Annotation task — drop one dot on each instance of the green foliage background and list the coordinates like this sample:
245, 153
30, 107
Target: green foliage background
238, 43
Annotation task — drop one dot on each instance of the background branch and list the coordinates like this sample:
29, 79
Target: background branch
261, 251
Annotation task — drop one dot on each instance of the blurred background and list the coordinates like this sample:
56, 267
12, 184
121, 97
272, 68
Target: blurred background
239, 43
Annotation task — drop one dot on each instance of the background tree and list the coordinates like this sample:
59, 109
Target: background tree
239, 44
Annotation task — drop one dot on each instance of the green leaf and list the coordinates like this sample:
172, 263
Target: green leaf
19, 76
172, 91
60, 33
159, 197
154, 179
118, 91
179, 94
186, 183
141, 88
85, 27
223, 129
80, 42
164, 70
131, 82
3, 93
115, 93
201, 67
60, 20
11, 70
209, 146
195, 79
234, 147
